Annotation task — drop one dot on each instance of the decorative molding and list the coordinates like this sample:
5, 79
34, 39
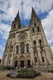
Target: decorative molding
22, 36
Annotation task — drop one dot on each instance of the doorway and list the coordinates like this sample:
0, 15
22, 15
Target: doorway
22, 63
16, 62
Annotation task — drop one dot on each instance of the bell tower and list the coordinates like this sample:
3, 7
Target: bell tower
35, 22
16, 24
39, 44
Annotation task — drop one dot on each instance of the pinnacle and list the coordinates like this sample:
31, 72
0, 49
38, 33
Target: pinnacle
33, 13
17, 15
17, 18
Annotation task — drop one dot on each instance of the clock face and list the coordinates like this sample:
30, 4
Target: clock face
22, 36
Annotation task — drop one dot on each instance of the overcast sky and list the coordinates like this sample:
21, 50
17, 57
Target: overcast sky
9, 9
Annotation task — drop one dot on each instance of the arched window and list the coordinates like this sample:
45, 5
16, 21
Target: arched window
34, 24
34, 43
22, 47
43, 59
33, 30
17, 49
38, 29
11, 48
27, 48
40, 42
35, 59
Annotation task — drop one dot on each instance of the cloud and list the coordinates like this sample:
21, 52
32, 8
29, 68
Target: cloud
4, 30
1, 51
48, 27
4, 5
46, 5
11, 7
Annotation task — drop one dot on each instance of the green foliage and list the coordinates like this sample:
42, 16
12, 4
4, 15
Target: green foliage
26, 72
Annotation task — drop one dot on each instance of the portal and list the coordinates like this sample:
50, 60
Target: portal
22, 63
16, 62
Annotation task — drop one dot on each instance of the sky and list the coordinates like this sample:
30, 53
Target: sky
9, 9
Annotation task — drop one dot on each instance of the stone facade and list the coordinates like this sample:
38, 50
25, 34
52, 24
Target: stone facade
27, 46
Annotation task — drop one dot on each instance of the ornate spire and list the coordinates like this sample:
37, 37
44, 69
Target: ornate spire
17, 18
33, 15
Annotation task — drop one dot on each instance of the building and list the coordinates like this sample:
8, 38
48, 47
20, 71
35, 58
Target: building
27, 46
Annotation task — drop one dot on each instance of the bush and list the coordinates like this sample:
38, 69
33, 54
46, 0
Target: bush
24, 73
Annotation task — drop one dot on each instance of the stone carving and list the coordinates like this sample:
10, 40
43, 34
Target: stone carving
22, 36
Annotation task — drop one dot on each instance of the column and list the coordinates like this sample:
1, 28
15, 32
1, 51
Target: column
38, 61
2, 62
7, 58
39, 56
13, 59
47, 55
19, 49
32, 57
25, 49
13, 52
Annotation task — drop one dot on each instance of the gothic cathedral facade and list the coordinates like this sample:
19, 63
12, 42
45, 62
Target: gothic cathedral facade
27, 46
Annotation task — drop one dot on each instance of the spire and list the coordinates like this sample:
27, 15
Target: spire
17, 15
17, 18
33, 15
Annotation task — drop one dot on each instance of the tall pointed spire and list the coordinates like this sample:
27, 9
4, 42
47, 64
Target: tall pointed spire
17, 18
33, 15
17, 21
17, 15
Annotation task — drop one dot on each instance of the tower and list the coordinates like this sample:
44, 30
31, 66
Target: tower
27, 46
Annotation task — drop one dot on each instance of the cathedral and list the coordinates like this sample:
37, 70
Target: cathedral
27, 46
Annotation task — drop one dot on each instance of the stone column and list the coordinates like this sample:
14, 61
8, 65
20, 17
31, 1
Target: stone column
47, 55
25, 48
13, 59
2, 62
19, 49
7, 58
18, 63
38, 61
39, 56
13, 52
32, 57
25, 63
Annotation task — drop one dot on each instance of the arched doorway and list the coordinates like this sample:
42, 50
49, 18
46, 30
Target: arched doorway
15, 61
22, 61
